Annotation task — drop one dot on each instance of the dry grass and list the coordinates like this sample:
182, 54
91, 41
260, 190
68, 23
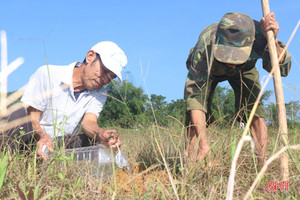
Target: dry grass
149, 178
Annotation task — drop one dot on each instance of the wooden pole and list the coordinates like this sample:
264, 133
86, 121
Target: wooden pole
3, 79
281, 112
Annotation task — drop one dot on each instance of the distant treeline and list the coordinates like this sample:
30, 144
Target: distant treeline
128, 106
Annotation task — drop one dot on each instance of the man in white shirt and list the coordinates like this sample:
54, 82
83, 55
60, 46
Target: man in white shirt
60, 98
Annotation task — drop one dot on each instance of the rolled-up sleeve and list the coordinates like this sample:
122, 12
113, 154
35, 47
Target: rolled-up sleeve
285, 66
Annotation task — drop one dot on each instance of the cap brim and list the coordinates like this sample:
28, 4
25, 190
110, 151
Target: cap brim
232, 55
113, 66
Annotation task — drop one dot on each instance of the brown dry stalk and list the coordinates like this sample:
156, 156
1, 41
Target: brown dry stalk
12, 109
179, 122
168, 170
14, 124
17, 122
169, 132
13, 97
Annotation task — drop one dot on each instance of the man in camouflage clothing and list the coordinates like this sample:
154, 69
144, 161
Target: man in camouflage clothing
228, 50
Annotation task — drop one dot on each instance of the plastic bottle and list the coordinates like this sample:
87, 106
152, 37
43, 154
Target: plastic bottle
99, 157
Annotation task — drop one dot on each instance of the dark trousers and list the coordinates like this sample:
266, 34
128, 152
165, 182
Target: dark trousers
21, 137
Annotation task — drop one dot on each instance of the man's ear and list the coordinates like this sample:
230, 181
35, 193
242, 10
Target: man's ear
90, 56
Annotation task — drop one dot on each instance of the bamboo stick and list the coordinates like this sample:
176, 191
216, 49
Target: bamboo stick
3, 80
281, 112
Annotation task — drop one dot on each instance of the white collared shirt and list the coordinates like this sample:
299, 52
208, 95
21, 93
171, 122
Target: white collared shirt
50, 90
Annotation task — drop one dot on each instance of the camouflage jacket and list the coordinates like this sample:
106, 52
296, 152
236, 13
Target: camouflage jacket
201, 63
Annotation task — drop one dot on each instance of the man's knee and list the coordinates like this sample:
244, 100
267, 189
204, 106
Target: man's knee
16, 135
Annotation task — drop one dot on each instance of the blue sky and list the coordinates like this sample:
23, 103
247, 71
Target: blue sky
155, 35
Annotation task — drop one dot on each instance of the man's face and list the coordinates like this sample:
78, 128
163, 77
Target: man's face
96, 75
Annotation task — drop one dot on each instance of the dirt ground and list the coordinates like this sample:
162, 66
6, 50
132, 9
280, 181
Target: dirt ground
138, 179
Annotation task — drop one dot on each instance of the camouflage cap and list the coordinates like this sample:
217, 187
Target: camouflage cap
234, 38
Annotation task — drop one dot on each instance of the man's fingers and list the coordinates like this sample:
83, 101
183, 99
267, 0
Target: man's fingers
270, 15
119, 143
271, 27
41, 144
112, 142
109, 138
268, 23
108, 133
40, 153
50, 147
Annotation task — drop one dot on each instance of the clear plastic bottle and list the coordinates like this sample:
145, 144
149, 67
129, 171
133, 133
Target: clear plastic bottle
100, 158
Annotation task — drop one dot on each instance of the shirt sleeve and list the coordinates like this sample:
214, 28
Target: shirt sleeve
199, 65
196, 81
261, 48
98, 101
285, 66
35, 93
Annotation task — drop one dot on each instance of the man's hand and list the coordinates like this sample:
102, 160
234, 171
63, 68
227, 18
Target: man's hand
269, 23
108, 138
92, 130
44, 140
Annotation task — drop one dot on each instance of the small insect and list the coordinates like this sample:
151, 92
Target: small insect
114, 136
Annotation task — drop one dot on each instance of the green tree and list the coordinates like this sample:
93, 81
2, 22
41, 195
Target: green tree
125, 105
293, 113
271, 115
177, 109
158, 105
222, 105
266, 95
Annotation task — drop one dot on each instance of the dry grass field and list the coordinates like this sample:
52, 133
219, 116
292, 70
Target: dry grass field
159, 170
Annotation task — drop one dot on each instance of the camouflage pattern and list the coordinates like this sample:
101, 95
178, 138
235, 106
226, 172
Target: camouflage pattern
203, 68
234, 38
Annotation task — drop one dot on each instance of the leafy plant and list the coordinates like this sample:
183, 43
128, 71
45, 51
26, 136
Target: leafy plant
3, 168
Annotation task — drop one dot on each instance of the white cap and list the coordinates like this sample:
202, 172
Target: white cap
111, 56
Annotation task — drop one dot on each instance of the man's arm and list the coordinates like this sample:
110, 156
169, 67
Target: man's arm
43, 138
91, 129
198, 120
269, 23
